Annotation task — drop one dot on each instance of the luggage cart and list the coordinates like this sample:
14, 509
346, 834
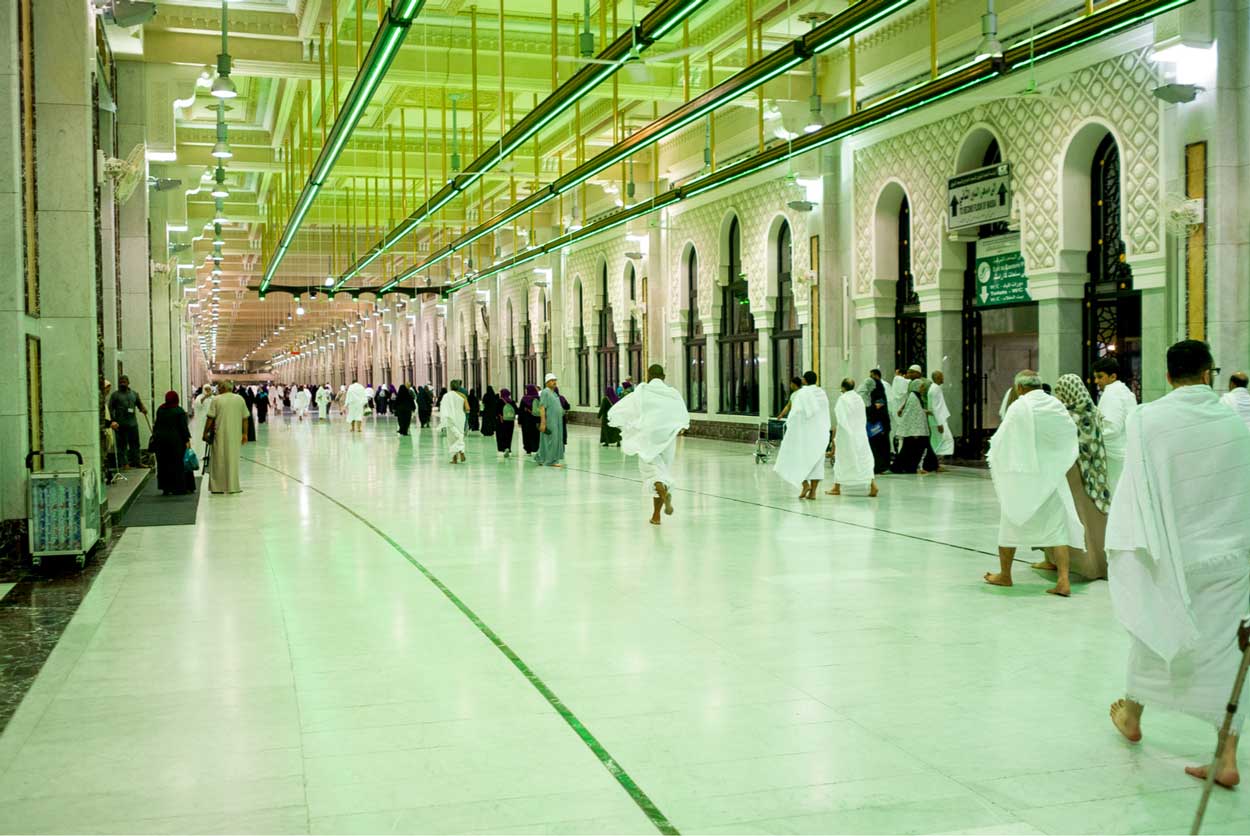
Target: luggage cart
64, 509
770, 434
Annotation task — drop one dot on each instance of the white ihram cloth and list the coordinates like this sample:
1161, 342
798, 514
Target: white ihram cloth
452, 419
852, 460
300, 402
1178, 550
356, 400
1029, 457
650, 420
1115, 403
802, 454
323, 402
1238, 400
943, 442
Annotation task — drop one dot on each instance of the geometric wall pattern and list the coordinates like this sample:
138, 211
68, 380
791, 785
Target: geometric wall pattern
1035, 133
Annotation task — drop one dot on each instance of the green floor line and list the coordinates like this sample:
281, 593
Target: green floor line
640, 798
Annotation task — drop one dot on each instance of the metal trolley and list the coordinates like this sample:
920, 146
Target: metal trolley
64, 509
770, 434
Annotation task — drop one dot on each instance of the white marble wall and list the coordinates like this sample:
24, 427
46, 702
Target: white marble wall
135, 350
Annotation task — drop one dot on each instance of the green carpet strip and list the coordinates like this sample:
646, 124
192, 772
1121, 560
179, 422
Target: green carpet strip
640, 798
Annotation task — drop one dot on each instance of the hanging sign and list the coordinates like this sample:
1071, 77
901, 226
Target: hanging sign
979, 197
1000, 272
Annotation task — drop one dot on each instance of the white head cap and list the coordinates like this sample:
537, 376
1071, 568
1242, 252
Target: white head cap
550, 377
913, 368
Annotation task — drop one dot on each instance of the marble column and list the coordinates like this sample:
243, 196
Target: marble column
64, 50
1059, 344
764, 370
1228, 201
13, 320
711, 354
135, 346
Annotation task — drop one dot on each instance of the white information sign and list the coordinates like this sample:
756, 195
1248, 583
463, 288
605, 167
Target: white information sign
979, 197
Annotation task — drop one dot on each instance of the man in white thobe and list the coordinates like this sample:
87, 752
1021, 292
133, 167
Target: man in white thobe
1115, 403
1237, 398
301, 401
355, 401
324, 397
896, 393
1029, 457
852, 454
801, 459
941, 437
453, 419
650, 420
1178, 553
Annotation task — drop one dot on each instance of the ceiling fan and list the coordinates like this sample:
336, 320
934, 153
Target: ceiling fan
586, 46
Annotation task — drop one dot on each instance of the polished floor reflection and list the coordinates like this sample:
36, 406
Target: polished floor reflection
757, 664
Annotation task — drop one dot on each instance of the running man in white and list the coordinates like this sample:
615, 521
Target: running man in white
650, 420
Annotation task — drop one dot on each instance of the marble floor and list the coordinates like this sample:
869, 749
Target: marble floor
370, 640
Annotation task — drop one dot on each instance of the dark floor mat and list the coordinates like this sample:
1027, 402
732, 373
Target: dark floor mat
150, 508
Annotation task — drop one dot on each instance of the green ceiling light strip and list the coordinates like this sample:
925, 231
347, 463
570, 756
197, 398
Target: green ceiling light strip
650, 29
392, 30
849, 22
1104, 23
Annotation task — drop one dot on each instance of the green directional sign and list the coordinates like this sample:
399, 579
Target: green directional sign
1001, 279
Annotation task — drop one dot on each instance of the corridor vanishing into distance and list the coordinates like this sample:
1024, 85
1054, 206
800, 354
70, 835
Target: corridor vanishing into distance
369, 640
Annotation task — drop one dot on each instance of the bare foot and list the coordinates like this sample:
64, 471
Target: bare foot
667, 496
1045, 566
997, 579
873, 492
1227, 777
836, 490
557, 465
1062, 590
1126, 715
654, 520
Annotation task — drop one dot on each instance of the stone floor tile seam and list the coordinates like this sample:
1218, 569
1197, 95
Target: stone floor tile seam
639, 796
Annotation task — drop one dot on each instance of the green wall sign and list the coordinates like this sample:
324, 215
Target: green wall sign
1001, 279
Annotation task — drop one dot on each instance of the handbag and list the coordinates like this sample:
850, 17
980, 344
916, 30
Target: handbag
190, 461
210, 431
875, 428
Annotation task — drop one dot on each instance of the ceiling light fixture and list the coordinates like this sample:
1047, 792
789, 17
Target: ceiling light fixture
990, 46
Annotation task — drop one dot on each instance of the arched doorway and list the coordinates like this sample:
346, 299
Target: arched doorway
583, 351
739, 343
787, 333
998, 339
634, 346
696, 341
909, 322
1112, 308
608, 358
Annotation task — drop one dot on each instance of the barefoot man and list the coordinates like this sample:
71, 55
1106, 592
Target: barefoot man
650, 421
1029, 458
801, 459
852, 460
1178, 551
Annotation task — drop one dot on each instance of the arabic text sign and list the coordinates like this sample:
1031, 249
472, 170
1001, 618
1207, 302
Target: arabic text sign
1001, 279
979, 197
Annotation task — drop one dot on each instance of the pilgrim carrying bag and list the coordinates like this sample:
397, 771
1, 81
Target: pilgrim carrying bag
190, 461
210, 431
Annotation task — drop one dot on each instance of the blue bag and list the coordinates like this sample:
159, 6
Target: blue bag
190, 461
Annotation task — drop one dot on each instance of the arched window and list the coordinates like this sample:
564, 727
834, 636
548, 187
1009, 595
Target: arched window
787, 334
909, 322
531, 359
739, 345
635, 333
583, 353
1113, 308
696, 342
609, 364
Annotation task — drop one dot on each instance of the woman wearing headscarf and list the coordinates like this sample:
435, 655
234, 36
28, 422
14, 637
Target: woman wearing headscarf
171, 438
425, 406
1087, 478
490, 410
608, 435
382, 399
911, 424
877, 415
506, 413
475, 411
528, 420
